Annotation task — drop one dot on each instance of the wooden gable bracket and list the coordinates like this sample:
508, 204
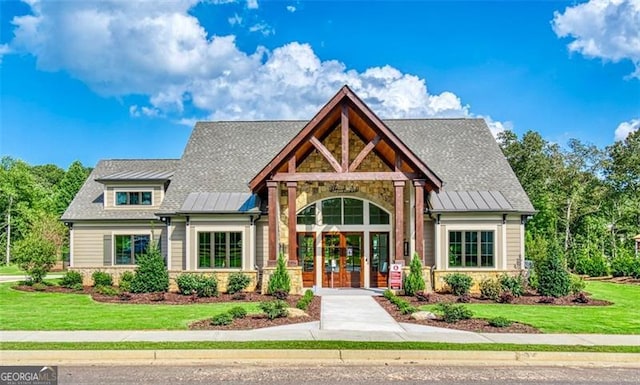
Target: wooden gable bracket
363, 154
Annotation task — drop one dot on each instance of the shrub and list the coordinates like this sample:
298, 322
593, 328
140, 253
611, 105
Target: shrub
490, 289
553, 277
577, 284
459, 283
407, 309
274, 309
454, 313
513, 284
39, 286
305, 300
77, 287
238, 312
237, 282
308, 294
280, 280
222, 319
35, 255
500, 322
198, 284
506, 297
151, 274
388, 294
101, 278
589, 260
126, 279
107, 290
414, 282
624, 264
70, 279
423, 296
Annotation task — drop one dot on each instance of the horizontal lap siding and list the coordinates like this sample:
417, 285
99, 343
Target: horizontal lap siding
429, 243
177, 246
513, 245
262, 243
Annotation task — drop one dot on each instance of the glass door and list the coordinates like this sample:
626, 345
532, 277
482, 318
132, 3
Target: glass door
307, 257
331, 260
379, 267
353, 260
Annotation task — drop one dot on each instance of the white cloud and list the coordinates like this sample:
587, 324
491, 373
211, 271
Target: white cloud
291, 8
606, 29
160, 51
4, 49
625, 128
263, 28
252, 4
235, 19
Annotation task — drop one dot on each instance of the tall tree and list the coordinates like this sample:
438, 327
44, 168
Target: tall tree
70, 185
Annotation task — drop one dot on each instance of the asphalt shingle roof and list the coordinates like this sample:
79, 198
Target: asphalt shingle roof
88, 203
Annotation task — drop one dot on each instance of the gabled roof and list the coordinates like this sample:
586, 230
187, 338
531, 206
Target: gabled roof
88, 203
225, 156
343, 104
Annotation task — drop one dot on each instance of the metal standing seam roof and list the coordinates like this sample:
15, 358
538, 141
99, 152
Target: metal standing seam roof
469, 201
137, 175
215, 202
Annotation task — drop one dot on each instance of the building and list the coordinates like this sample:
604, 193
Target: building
342, 197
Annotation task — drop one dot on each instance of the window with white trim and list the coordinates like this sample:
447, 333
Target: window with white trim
343, 211
127, 247
472, 248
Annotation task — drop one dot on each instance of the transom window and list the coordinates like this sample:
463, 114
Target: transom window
471, 248
133, 198
220, 250
127, 247
342, 211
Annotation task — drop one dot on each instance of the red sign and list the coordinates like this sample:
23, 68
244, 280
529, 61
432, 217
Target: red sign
395, 276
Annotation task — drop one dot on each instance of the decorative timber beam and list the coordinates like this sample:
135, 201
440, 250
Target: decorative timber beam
344, 123
342, 176
326, 153
292, 164
363, 154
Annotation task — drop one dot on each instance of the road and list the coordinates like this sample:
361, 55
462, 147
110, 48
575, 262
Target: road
397, 374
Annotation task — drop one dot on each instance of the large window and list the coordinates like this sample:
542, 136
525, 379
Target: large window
343, 211
127, 247
471, 249
220, 250
124, 198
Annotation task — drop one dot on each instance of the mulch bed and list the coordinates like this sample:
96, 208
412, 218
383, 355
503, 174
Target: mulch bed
476, 324
252, 321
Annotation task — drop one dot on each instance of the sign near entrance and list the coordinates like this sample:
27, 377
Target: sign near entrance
395, 276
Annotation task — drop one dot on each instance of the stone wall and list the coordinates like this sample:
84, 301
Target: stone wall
477, 275
295, 273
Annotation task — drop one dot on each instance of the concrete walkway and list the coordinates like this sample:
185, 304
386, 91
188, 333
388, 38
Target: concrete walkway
355, 313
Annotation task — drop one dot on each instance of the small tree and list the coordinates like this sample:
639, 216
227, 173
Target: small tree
35, 255
151, 274
553, 277
414, 283
280, 282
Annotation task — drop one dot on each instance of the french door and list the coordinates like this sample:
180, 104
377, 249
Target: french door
342, 259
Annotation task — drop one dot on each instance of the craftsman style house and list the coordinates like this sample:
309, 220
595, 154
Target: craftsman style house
342, 196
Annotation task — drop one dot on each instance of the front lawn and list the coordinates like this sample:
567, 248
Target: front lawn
11, 270
21, 310
620, 318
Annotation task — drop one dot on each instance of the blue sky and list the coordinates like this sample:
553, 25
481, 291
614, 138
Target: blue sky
89, 80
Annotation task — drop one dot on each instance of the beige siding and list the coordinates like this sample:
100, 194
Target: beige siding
262, 243
513, 245
429, 243
177, 245
88, 240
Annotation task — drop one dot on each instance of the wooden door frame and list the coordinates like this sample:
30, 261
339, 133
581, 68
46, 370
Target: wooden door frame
312, 234
342, 278
371, 273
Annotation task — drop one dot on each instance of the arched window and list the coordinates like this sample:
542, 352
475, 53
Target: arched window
343, 211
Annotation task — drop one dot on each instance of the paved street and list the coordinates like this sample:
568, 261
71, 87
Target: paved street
398, 374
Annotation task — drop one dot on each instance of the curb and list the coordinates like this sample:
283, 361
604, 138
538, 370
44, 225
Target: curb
330, 356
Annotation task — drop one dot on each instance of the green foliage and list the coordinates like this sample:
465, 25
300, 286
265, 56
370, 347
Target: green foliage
69, 185
101, 278
237, 282
151, 274
107, 290
305, 300
577, 284
453, 313
625, 264
553, 277
515, 285
500, 322
198, 284
237, 312
388, 294
77, 287
274, 309
35, 255
222, 319
71, 279
280, 280
459, 283
126, 279
407, 309
414, 282
490, 289
589, 260
39, 286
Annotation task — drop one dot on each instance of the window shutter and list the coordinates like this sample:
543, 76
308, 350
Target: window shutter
106, 259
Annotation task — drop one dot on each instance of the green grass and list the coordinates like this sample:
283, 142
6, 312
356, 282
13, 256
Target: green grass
11, 270
620, 318
290, 345
58, 311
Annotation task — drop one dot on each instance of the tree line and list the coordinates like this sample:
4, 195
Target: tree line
587, 200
